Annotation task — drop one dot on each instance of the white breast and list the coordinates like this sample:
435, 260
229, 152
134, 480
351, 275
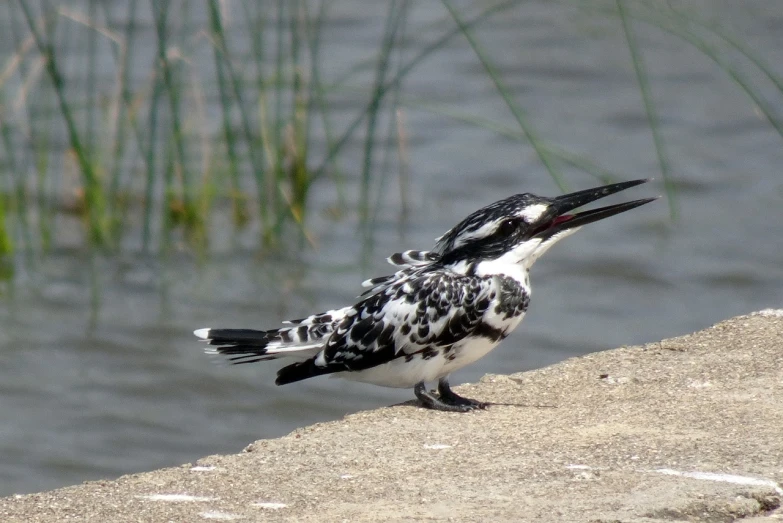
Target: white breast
399, 373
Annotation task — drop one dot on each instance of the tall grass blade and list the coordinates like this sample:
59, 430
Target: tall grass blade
403, 72
6, 237
277, 123
125, 117
677, 28
38, 144
92, 101
256, 24
15, 181
599, 173
92, 191
190, 215
393, 17
172, 211
298, 137
17, 166
317, 95
151, 155
738, 45
649, 106
532, 136
220, 52
392, 133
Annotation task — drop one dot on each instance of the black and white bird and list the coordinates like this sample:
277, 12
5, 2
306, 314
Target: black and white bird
442, 310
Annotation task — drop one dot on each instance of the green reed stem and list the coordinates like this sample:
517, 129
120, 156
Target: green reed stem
255, 145
738, 45
220, 55
680, 30
92, 101
519, 115
160, 14
299, 137
169, 195
403, 72
39, 145
567, 157
277, 124
393, 17
6, 237
152, 146
15, 165
124, 110
391, 134
649, 106
683, 21
15, 181
255, 152
92, 191
317, 96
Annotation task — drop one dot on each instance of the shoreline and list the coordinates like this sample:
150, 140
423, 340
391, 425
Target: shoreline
688, 428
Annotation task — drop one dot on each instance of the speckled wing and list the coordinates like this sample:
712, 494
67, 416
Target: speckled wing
427, 311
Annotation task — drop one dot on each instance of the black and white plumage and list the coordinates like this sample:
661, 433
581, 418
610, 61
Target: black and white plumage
442, 310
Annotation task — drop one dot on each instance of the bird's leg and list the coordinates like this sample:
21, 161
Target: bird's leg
449, 397
431, 401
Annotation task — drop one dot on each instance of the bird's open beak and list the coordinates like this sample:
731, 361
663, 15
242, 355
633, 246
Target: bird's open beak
557, 219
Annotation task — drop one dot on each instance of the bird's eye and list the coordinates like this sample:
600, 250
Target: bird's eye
507, 227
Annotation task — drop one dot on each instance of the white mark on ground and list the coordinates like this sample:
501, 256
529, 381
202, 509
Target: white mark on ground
579, 467
175, 497
202, 468
224, 516
437, 446
770, 313
724, 478
346, 476
617, 381
271, 505
700, 385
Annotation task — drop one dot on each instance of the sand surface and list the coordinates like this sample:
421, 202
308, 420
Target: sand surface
686, 429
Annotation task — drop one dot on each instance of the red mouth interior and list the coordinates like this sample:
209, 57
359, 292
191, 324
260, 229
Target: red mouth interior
561, 219
554, 223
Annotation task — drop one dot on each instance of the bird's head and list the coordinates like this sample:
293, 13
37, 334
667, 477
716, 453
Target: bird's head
521, 228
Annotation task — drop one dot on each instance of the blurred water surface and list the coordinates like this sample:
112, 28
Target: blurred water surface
100, 374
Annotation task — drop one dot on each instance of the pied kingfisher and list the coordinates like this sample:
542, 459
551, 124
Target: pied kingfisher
443, 309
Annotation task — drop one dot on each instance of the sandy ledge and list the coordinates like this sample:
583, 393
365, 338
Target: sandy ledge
688, 429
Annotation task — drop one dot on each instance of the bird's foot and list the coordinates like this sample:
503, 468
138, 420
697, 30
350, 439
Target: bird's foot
450, 397
446, 400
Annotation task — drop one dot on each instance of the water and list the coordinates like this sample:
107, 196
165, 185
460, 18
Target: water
100, 374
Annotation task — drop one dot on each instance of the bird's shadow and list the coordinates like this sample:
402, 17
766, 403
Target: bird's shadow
415, 403
525, 405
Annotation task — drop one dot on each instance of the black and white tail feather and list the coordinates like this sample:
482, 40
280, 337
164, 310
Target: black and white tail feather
303, 339
441, 310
